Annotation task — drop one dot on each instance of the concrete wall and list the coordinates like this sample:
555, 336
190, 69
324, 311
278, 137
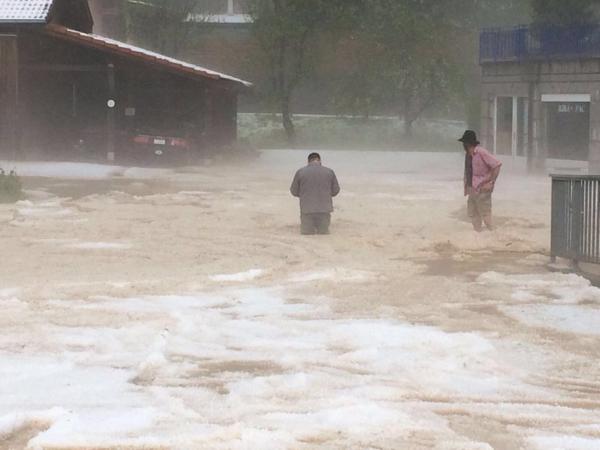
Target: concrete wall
534, 79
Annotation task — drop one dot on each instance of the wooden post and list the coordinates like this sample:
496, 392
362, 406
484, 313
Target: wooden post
208, 119
495, 125
515, 127
18, 131
8, 89
530, 128
74, 112
110, 121
232, 116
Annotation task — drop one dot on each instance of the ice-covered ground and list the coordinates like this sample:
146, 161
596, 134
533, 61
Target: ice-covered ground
182, 310
82, 171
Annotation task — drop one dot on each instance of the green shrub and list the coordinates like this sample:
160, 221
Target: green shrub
264, 131
11, 189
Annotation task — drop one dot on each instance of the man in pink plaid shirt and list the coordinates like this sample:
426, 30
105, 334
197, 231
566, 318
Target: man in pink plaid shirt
481, 172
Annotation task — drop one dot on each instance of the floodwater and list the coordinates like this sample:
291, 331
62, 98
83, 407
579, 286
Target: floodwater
182, 309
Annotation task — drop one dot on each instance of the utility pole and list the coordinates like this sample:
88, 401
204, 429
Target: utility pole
110, 119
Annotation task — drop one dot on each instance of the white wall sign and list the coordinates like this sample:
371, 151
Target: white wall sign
564, 98
572, 108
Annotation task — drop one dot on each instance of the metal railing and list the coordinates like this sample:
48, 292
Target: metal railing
531, 43
576, 218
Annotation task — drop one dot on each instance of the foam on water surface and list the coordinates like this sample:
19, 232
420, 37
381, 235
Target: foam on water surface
222, 369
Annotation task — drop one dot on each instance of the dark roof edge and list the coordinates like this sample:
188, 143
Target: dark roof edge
24, 21
122, 49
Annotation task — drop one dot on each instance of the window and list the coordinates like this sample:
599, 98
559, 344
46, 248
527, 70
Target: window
212, 6
222, 7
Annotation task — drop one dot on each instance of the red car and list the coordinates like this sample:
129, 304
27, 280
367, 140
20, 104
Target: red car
144, 147
169, 148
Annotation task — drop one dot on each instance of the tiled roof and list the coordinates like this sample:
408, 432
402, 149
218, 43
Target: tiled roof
24, 11
120, 48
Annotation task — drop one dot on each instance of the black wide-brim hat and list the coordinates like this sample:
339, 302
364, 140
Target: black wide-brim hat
469, 137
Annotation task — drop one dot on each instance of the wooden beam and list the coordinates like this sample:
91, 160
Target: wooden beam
110, 119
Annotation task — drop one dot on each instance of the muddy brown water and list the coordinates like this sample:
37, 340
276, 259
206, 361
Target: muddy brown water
474, 264
77, 189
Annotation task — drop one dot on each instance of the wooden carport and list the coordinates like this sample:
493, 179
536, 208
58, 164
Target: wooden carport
57, 82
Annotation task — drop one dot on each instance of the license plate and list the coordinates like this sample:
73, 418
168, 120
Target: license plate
160, 141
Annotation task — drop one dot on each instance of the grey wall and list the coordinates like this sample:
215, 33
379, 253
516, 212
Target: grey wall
539, 78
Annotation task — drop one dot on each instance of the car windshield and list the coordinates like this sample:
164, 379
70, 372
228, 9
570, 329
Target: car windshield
161, 127
163, 123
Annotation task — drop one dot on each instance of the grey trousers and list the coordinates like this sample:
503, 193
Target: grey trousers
315, 223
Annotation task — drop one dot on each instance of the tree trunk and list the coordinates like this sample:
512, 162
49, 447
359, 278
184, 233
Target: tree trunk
407, 115
408, 127
286, 116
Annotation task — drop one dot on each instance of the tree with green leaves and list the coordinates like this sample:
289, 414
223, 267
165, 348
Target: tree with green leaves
408, 55
499, 13
412, 56
288, 34
563, 12
160, 25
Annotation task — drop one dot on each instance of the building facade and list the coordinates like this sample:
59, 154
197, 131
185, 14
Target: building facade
541, 95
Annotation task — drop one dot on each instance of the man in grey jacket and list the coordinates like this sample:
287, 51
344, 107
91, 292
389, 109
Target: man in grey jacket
315, 185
